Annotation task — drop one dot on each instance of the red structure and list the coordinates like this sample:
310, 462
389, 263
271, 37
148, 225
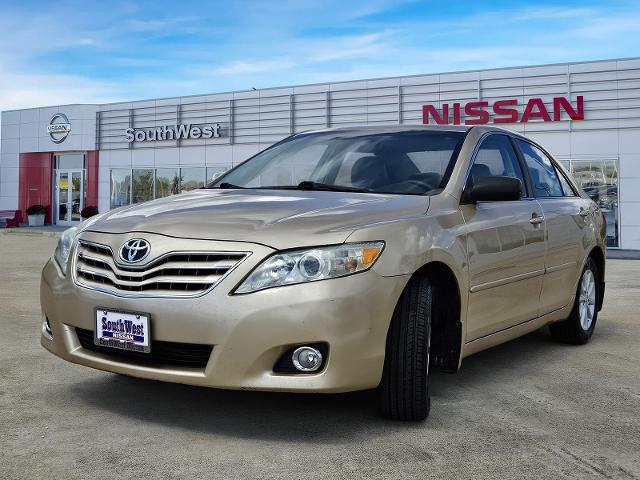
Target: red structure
92, 178
36, 181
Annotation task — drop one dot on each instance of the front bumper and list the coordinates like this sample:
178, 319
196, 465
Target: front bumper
248, 333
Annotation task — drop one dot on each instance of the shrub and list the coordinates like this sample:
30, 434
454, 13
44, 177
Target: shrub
36, 210
89, 211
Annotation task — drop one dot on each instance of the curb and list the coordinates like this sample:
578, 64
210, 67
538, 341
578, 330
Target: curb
616, 254
30, 233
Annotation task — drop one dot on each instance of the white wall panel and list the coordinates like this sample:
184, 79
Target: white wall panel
10, 130
120, 158
10, 117
9, 160
218, 155
166, 157
630, 237
10, 145
9, 188
29, 144
31, 130
9, 174
193, 155
629, 142
30, 115
8, 203
630, 167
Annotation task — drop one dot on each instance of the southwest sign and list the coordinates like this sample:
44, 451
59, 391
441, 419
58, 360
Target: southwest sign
504, 111
173, 132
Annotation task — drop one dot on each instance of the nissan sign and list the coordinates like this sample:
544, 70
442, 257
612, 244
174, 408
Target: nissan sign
504, 111
173, 132
59, 128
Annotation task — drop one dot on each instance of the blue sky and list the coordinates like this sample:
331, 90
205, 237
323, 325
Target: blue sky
55, 52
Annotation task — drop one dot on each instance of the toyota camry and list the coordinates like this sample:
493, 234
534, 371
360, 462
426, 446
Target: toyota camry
335, 260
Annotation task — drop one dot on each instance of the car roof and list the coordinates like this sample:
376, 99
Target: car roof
393, 128
409, 128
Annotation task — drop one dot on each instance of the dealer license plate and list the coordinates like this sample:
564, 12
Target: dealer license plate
123, 330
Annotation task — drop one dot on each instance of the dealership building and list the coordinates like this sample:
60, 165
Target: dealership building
67, 157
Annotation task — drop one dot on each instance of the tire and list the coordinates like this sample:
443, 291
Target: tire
578, 328
403, 392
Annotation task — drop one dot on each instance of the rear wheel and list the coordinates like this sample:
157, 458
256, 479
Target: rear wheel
404, 390
578, 328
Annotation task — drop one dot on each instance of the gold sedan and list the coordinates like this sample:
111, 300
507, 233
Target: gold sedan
333, 261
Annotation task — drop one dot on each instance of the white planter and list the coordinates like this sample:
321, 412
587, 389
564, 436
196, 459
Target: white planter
36, 220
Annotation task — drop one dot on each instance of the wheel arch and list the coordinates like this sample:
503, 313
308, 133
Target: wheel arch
446, 321
598, 256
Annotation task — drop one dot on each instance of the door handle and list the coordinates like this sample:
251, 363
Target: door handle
583, 212
536, 219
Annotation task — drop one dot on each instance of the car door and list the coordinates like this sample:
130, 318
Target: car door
567, 216
505, 246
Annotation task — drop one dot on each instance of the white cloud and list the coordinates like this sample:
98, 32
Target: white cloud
244, 67
350, 47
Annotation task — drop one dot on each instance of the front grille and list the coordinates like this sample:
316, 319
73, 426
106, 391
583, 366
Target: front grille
170, 354
173, 274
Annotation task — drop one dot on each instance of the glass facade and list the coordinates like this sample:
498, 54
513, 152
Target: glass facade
191, 178
142, 184
599, 180
120, 187
167, 182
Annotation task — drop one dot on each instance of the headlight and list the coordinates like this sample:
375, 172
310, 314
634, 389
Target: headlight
309, 265
64, 247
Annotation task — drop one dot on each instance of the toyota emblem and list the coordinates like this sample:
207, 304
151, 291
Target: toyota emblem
135, 250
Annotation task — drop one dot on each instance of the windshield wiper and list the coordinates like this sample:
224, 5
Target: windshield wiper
308, 185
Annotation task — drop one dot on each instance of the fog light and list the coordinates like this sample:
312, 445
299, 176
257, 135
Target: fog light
307, 359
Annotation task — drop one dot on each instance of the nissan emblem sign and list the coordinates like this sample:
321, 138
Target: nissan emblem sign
59, 128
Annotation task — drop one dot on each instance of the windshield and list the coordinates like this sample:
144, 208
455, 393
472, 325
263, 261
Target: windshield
408, 162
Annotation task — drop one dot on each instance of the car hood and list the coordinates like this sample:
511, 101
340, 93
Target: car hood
276, 218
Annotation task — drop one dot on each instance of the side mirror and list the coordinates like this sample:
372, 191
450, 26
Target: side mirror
493, 189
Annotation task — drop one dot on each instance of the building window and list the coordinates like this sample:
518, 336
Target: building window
213, 173
120, 187
70, 161
142, 185
599, 180
191, 178
167, 182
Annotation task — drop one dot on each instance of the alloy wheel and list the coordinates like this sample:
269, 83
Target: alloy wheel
587, 299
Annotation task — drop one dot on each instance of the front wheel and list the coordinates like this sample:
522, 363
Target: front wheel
404, 390
578, 328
